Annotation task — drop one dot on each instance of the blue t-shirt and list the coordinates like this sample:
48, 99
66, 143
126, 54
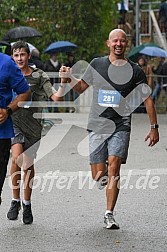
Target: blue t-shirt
11, 79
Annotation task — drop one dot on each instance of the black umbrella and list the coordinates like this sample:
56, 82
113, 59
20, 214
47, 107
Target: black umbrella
21, 32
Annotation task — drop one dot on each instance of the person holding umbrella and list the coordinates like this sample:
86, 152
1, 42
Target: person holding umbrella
53, 64
143, 63
27, 132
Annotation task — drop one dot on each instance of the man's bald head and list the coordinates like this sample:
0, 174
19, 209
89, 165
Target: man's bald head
115, 31
117, 43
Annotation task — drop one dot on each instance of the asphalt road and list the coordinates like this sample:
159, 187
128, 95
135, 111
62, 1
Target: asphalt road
68, 208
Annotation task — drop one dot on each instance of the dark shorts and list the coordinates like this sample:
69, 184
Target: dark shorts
103, 145
30, 145
5, 145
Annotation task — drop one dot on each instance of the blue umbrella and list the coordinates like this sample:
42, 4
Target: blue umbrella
134, 53
154, 52
60, 46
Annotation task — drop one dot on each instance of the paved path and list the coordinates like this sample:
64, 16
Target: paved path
68, 208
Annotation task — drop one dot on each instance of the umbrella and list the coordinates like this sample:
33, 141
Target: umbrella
31, 47
136, 51
60, 46
154, 52
21, 32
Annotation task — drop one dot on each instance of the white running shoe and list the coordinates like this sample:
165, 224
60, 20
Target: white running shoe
110, 221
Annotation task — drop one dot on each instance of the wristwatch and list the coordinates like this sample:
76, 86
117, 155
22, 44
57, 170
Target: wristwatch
9, 111
154, 126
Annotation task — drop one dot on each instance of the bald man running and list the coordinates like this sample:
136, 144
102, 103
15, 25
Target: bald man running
113, 78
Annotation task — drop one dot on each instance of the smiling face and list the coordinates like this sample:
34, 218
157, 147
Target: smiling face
21, 57
117, 43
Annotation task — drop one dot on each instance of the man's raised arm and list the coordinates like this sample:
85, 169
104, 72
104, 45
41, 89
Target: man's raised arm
66, 76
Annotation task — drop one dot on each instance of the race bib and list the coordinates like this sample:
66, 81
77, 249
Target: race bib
109, 98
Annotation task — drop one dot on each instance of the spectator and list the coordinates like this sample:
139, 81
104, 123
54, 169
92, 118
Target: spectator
5, 47
53, 65
36, 60
70, 60
164, 78
142, 61
123, 8
71, 95
163, 17
159, 80
164, 72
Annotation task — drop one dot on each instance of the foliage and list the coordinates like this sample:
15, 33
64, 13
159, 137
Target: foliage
83, 22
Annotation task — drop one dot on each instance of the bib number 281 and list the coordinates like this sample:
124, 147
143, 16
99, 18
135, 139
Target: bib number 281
109, 98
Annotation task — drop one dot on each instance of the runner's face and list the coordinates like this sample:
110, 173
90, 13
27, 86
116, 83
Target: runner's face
21, 57
117, 43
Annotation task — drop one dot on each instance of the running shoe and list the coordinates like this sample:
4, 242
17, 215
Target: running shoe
14, 210
27, 214
110, 221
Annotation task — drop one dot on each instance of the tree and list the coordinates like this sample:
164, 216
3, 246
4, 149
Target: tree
85, 23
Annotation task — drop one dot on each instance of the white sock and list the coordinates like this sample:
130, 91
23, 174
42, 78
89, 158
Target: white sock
108, 211
26, 202
16, 199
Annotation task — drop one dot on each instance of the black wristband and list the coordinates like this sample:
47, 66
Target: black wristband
9, 111
154, 126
